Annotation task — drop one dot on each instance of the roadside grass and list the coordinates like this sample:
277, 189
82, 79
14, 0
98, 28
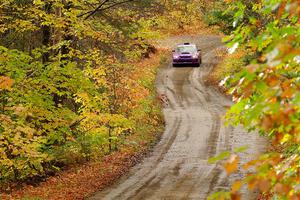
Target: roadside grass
230, 64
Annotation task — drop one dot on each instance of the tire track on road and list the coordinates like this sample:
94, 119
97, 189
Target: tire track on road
178, 169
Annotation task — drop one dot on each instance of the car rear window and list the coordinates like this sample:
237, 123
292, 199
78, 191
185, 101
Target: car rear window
188, 49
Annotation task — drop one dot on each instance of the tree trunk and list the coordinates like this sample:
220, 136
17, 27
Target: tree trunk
46, 31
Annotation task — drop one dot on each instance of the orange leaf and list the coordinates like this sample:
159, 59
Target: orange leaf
248, 90
267, 122
273, 100
288, 93
286, 84
5, 83
252, 184
236, 186
274, 161
281, 189
264, 185
272, 80
281, 9
295, 197
250, 164
231, 164
235, 196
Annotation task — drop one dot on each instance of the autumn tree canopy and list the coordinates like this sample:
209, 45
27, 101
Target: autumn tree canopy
69, 89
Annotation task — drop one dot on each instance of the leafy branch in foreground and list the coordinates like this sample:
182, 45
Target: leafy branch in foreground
267, 91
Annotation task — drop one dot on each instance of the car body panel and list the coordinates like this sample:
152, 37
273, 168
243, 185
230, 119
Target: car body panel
186, 54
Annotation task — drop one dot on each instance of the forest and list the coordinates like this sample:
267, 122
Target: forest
71, 91
77, 85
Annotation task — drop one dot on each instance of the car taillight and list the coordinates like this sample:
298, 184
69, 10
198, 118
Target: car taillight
195, 56
175, 56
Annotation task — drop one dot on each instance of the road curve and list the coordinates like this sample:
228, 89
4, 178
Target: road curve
177, 169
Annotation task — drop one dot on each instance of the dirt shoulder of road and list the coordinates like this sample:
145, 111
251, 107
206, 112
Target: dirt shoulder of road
214, 78
82, 180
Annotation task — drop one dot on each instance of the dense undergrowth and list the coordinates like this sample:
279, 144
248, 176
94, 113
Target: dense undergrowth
261, 73
78, 180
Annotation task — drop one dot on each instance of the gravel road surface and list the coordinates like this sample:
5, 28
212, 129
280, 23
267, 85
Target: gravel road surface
177, 169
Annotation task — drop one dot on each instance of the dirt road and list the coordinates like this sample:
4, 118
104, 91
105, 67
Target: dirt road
195, 131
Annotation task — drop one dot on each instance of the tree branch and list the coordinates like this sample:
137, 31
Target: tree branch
91, 12
116, 4
101, 8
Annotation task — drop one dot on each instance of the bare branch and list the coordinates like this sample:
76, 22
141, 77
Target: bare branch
102, 8
116, 4
92, 12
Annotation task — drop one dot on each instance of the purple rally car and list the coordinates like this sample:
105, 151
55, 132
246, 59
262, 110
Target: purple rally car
187, 54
